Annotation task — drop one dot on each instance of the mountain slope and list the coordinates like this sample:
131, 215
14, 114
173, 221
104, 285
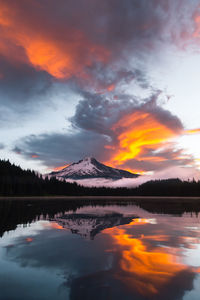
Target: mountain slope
91, 168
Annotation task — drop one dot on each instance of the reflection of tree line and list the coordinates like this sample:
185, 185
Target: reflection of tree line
13, 212
25, 211
17, 182
171, 206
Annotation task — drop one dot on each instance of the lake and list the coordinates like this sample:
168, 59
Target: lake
99, 250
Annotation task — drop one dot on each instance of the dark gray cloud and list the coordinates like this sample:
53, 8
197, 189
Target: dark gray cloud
22, 89
98, 112
111, 77
25, 92
58, 149
148, 165
19, 83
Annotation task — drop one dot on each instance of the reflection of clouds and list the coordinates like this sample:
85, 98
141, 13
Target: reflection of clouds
145, 264
147, 269
58, 253
29, 239
57, 249
22, 232
54, 225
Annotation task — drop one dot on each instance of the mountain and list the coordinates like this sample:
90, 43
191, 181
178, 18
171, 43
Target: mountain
91, 168
88, 225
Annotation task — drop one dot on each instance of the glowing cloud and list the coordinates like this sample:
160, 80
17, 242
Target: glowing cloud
111, 87
63, 61
196, 33
60, 168
61, 55
192, 131
138, 132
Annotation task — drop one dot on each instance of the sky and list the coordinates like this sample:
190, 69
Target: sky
116, 80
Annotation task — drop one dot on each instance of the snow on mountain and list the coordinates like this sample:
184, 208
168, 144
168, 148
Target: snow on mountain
89, 168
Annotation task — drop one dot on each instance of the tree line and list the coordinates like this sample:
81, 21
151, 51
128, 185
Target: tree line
14, 181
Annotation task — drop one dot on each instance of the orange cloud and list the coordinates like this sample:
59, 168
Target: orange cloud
34, 156
196, 33
62, 53
60, 168
192, 131
137, 132
62, 61
111, 87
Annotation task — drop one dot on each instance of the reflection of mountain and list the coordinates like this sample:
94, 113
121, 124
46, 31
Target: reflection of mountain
89, 225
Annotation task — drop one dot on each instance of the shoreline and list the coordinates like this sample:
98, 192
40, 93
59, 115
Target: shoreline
109, 198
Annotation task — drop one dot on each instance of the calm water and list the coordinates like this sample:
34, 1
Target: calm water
98, 252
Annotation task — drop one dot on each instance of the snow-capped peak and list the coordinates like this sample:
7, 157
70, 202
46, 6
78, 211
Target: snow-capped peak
89, 159
89, 167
